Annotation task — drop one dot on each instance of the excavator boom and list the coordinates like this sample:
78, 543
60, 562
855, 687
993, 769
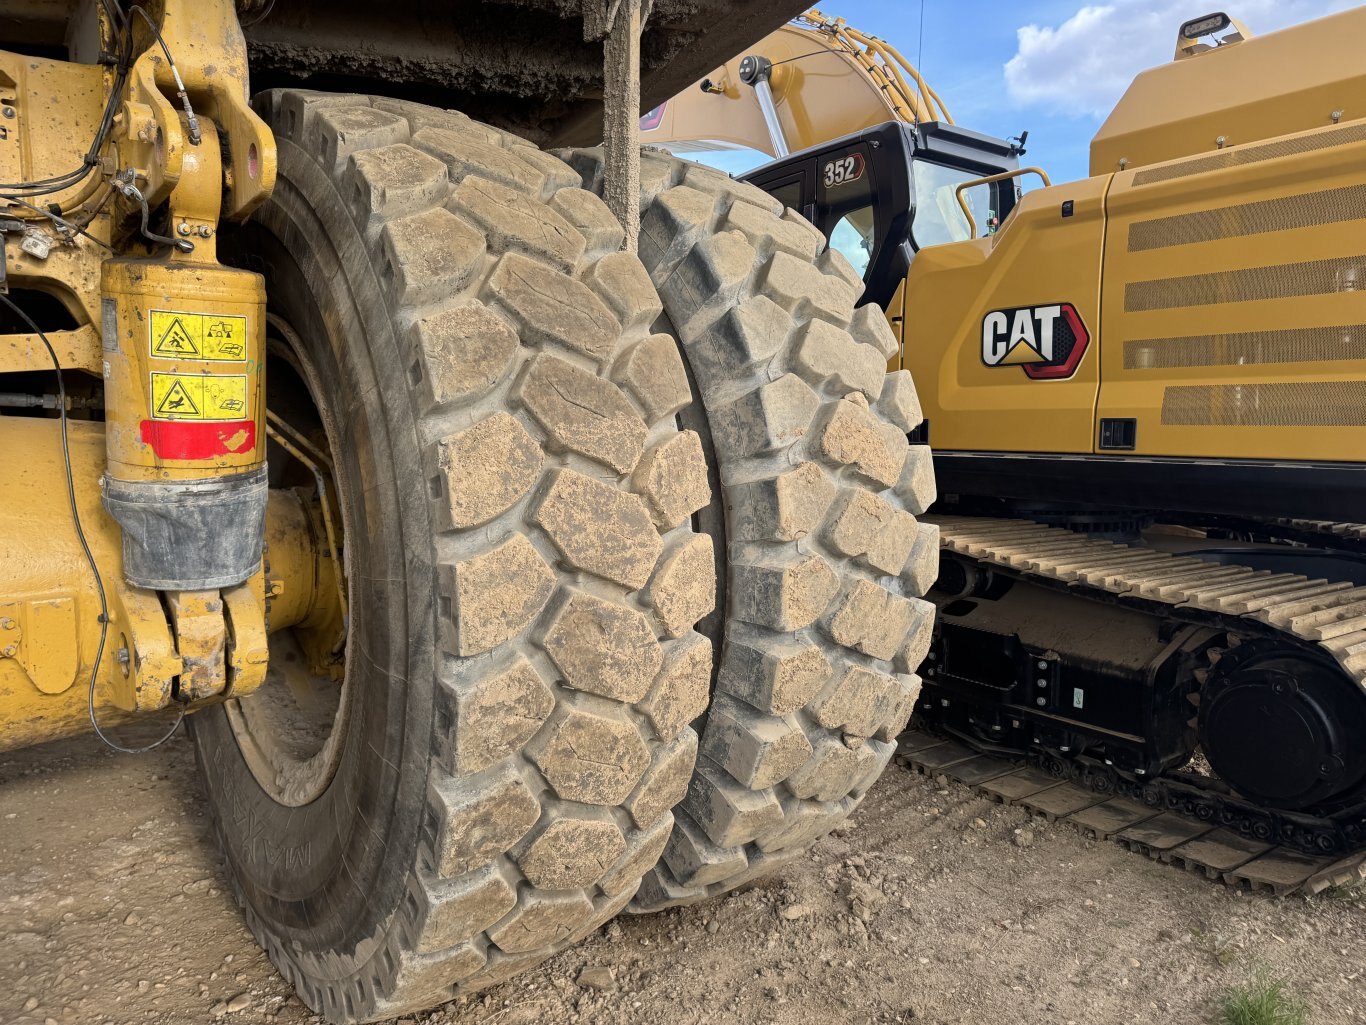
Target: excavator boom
813, 80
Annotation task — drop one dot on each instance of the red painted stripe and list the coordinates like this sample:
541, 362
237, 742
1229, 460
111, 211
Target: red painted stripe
188, 439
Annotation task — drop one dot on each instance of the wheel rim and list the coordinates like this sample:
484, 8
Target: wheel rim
291, 731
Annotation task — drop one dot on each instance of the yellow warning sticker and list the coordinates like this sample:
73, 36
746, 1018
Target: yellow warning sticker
199, 397
207, 336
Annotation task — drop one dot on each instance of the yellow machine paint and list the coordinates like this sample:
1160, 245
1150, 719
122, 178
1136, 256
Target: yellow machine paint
1219, 274
177, 340
49, 610
1214, 260
185, 370
827, 79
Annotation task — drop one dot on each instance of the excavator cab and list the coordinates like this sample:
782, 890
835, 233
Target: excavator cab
881, 194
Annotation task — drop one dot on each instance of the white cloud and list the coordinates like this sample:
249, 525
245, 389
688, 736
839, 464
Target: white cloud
1082, 66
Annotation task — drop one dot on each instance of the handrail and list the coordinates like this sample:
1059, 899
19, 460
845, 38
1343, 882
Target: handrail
958, 192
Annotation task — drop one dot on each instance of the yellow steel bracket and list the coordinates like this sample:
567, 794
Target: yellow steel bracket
248, 654
989, 179
154, 137
201, 638
39, 635
140, 641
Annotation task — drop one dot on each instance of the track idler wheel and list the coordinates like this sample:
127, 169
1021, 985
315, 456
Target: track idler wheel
1284, 727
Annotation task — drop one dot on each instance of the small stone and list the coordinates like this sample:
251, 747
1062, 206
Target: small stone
143, 985
979, 823
1135, 963
713, 927
133, 918
598, 978
1023, 837
239, 1003
219, 1009
30, 1003
794, 911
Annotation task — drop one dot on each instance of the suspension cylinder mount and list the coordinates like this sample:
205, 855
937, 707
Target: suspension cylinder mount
184, 379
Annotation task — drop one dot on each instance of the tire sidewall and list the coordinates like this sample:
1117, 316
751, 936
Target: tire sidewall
316, 872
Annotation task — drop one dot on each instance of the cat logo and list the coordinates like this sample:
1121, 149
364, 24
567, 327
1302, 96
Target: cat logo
1046, 342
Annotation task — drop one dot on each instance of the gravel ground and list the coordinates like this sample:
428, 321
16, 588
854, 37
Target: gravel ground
935, 906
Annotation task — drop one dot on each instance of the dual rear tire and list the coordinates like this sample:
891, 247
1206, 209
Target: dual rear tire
528, 721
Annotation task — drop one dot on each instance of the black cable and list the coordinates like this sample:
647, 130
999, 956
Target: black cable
195, 137
85, 547
116, 17
59, 220
133, 193
62, 182
815, 53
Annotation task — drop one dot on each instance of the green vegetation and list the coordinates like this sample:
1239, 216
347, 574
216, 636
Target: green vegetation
1261, 1001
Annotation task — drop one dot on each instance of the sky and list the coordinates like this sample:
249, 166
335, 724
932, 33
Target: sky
1051, 67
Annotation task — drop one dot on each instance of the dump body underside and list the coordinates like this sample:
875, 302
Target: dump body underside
521, 64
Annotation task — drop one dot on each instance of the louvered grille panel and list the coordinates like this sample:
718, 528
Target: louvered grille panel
1249, 348
1290, 404
1331, 206
1283, 281
1252, 155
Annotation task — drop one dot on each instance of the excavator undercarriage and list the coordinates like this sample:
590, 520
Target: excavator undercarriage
1217, 684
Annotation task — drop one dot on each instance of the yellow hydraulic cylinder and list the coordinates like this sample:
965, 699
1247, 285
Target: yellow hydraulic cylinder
50, 602
185, 407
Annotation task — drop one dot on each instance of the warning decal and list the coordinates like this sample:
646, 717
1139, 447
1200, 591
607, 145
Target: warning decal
207, 336
199, 397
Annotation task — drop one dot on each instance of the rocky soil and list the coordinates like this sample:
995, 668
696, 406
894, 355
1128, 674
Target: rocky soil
935, 906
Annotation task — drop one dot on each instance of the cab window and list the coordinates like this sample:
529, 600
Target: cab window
853, 237
938, 217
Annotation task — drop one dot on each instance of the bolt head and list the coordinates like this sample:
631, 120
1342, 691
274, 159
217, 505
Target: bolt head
1042, 664
184, 229
9, 112
6, 623
1040, 701
205, 231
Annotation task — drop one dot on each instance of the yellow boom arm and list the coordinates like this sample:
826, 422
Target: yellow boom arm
814, 79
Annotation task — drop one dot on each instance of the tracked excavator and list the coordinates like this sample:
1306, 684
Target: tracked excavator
494, 518
1146, 392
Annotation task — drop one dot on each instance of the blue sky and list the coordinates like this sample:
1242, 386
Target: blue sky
1053, 67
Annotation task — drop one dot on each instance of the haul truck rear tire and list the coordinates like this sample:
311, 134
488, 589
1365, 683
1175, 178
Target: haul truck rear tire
821, 625
521, 668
